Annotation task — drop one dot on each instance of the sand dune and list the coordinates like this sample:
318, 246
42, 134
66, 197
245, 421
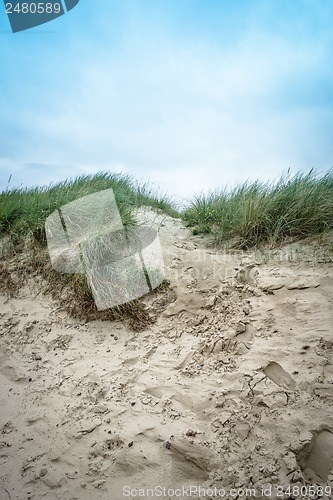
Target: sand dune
231, 387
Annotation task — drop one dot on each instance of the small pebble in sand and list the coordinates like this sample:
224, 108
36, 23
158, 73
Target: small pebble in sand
191, 433
240, 328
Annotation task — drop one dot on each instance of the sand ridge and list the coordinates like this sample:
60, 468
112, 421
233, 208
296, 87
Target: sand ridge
231, 387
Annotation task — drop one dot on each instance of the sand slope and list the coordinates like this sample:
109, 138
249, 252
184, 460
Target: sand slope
232, 387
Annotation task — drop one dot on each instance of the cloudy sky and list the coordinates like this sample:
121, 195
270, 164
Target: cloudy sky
190, 95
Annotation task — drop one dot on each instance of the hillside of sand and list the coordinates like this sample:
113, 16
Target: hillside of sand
230, 388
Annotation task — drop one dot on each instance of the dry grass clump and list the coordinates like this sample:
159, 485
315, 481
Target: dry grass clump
7, 284
72, 293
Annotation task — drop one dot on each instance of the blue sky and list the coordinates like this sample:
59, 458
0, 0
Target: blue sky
190, 95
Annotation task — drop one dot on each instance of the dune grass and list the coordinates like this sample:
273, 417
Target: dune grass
23, 211
251, 214
257, 213
23, 251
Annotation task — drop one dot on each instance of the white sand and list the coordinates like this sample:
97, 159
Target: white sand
232, 387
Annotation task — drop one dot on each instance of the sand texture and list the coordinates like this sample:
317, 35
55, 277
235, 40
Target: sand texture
231, 387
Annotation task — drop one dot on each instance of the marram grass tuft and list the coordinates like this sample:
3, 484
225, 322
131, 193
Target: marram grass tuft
295, 207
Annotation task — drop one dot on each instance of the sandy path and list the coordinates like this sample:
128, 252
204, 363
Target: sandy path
232, 387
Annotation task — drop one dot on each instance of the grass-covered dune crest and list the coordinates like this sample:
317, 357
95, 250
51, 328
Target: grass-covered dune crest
252, 213
23, 211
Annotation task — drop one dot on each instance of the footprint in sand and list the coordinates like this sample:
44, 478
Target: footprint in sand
11, 374
8, 371
248, 274
193, 456
316, 463
279, 376
189, 303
